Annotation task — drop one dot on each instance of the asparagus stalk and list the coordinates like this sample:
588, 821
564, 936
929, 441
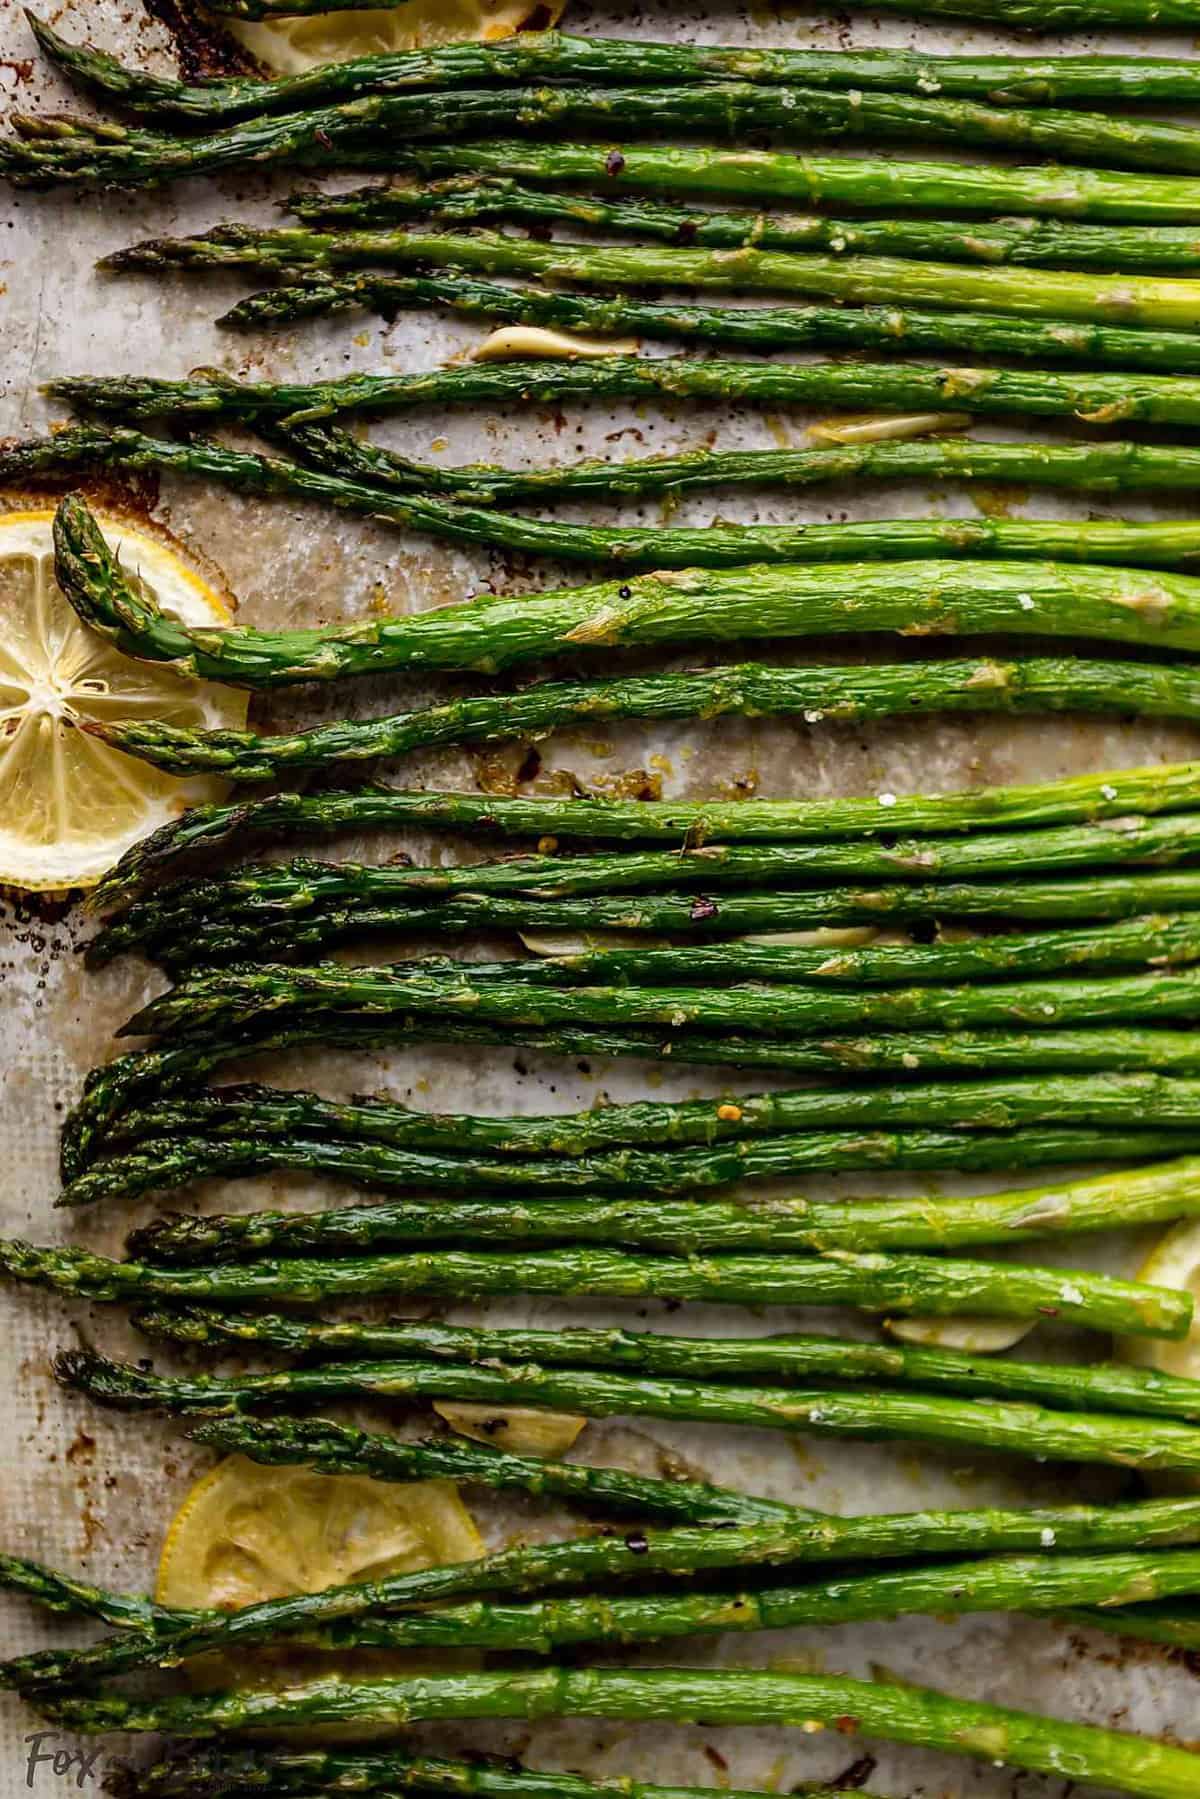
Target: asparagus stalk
355, 133
489, 633
876, 387
1169, 1624
1127, 840
1063, 15
1089, 468
235, 998
549, 55
885, 1284
113, 1087
1143, 942
672, 1227
839, 695
1013, 1427
59, 1592
999, 1104
1074, 800
1106, 1387
338, 1449
869, 279
156, 1165
906, 1714
731, 546
219, 1771
309, 294
1029, 243
772, 177
220, 941
358, 1613
544, 1626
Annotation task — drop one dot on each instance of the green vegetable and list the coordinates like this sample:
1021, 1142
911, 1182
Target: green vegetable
877, 1283
1031, 243
308, 294
552, 55
856, 386
542, 1626
869, 279
846, 695
358, 133
110, 1089
908, 1714
1106, 1387
1114, 794
488, 634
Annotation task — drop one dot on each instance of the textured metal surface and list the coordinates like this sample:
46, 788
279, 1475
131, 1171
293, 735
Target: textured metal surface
94, 1490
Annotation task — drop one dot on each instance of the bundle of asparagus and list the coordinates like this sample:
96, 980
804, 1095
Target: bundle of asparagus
1124, 605
357, 133
907, 1714
384, 1613
551, 55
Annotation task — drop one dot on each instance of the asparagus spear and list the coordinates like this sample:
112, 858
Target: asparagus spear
1091, 468
998, 1104
1142, 942
238, 997
875, 387
156, 1165
1129, 840
1106, 1387
111, 1088
338, 1449
886, 1284
217, 941
1022, 1428
358, 1613
1123, 299
1063, 15
839, 695
1030, 243
752, 327
221, 1771
1078, 799
549, 55
906, 1714
544, 1626
488, 633
671, 1227
354, 133
770, 177
730, 546
1172, 1625
59, 1592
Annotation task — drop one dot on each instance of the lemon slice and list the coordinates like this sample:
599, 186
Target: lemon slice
1173, 1262
520, 1429
293, 45
246, 1533
70, 805
975, 1336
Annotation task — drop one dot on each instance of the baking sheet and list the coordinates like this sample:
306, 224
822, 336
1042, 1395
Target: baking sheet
93, 1490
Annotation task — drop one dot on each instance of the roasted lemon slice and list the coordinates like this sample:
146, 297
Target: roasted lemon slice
70, 805
1173, 1262
293, 45
246, 1533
